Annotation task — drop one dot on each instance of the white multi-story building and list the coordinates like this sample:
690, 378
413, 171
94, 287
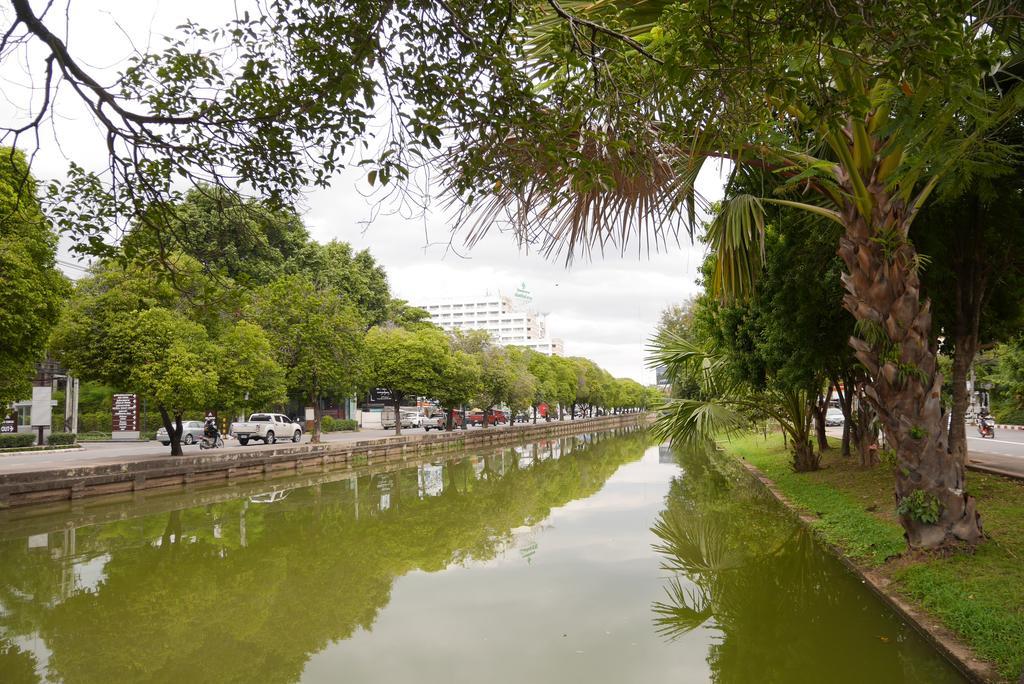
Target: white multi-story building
509, 322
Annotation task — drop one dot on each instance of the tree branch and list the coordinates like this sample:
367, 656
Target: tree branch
71, 69
572, 19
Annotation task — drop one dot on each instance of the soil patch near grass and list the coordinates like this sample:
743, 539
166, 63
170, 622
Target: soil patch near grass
979, 596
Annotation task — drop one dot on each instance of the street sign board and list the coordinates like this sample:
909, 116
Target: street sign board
125, 410
9, 424
380, 395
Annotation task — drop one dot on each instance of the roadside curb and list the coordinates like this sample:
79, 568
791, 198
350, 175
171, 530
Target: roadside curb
1009, 427
945, 641
991, 470
35, 452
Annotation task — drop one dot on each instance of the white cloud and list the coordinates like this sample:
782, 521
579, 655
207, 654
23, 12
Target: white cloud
604, 309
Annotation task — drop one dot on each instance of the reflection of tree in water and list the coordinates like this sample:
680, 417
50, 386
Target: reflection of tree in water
783, 610
245, 591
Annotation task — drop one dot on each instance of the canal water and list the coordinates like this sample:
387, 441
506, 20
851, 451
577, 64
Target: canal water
594, 558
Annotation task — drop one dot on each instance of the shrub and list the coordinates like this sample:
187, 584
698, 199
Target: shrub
17, 439
329, 424
93, 436
61, 438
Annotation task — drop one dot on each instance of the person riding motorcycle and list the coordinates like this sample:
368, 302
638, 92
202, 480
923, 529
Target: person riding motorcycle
210, 431
986, 424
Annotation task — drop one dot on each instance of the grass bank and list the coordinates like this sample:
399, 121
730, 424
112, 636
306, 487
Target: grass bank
978, 596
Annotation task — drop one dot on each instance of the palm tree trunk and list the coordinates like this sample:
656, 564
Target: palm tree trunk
894, 342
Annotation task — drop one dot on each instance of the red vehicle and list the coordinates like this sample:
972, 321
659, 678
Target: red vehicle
494, 417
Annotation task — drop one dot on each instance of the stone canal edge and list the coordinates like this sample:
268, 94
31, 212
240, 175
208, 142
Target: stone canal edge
945, 641
52, 486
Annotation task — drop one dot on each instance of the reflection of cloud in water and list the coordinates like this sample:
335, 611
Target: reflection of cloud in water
90, 573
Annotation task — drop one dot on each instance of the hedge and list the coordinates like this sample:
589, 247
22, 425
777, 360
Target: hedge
329, 424
57, 438
17, 439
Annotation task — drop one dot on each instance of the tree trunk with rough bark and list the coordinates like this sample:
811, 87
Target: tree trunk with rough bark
804, 458
862, 434
963, 356
894, 342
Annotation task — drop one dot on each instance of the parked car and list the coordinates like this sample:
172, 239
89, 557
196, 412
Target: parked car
494, 417
436, 421
191, 432
266, 427
834, 417
410, 419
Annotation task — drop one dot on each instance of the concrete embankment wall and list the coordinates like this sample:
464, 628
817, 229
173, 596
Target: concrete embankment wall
231, 465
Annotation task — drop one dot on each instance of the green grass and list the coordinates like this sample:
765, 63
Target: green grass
843, 519
979, 596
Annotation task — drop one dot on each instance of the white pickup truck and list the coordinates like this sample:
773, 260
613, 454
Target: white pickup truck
266, 427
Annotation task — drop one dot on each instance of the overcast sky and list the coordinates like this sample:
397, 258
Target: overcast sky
604, 309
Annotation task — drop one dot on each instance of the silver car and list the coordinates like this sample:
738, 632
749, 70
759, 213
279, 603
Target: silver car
191, 432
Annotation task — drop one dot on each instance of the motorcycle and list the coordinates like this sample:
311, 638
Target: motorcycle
211, 442
211, 439
987, 427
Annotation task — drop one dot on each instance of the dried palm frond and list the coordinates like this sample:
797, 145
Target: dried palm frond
590, 192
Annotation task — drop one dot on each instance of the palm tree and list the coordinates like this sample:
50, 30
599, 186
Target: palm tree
723, 405
859, 109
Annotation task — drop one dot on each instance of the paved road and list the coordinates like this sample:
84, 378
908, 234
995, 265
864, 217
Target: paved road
1005, 452
105, 453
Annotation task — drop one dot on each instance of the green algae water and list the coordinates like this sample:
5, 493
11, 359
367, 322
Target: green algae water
594, 558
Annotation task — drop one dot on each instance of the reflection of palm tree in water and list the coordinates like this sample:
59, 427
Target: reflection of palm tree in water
784, 610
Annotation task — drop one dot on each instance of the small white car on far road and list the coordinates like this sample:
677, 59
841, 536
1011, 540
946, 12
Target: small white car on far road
834, 417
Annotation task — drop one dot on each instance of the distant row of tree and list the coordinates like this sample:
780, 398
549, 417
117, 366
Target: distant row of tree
468, 367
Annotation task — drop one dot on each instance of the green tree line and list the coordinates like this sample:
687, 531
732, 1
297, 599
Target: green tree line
238, 310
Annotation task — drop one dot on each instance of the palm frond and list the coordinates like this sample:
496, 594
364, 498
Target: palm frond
685, 609
736, 235
587, 192
693, 545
